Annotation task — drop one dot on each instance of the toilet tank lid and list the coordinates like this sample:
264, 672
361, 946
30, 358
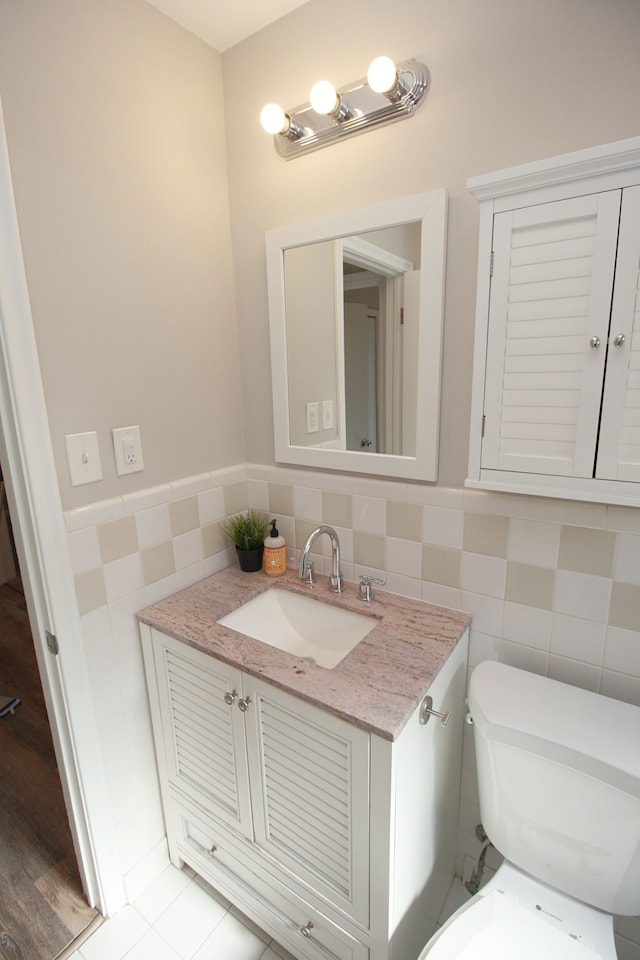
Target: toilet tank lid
585, 730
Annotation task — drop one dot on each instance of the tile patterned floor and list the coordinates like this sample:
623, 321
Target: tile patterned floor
180, 918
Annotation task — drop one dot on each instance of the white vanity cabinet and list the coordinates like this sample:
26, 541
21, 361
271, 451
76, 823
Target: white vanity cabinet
321, 832
556, 394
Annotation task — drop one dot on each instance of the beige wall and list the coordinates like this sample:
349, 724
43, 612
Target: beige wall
115, 124
512, 81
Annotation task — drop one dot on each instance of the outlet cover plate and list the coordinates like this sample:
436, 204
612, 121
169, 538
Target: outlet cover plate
127, 447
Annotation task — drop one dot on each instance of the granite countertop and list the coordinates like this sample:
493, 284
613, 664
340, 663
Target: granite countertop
377, 686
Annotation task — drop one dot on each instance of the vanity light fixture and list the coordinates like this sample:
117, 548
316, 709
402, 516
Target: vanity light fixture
326, 101
389, 92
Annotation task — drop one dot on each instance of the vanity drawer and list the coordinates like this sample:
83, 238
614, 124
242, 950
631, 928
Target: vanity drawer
290, 920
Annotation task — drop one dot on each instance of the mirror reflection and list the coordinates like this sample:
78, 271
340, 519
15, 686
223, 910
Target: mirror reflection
352, 307
355, 316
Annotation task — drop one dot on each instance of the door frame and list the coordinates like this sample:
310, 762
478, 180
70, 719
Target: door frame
34, 501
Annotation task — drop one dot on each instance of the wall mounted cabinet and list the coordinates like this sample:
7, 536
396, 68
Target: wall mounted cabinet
556, 390
321, 832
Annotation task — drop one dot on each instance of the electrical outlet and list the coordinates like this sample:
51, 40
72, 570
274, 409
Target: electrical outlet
127, 447
83, 457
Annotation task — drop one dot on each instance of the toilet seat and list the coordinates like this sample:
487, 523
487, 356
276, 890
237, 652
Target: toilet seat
517, 918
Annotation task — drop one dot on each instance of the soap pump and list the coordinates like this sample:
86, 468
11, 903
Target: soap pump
275, 553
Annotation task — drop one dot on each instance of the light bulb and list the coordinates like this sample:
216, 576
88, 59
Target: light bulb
273, 119
382, 75
323, 97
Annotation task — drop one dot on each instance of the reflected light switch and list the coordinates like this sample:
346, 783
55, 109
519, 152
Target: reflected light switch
327, 414
312, 416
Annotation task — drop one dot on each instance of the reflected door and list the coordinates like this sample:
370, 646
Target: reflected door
360, 378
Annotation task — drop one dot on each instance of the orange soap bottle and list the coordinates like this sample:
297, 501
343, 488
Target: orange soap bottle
275, 553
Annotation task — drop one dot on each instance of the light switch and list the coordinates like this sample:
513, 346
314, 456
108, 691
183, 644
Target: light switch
127, 447
83, 457
313, 413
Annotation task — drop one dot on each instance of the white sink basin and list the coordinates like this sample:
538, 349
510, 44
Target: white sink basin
301, 625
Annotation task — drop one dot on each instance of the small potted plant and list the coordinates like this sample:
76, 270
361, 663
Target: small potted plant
247, 531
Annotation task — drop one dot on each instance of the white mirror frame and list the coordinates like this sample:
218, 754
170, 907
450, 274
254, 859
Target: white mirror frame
431, 209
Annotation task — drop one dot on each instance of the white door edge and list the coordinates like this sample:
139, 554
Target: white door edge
29, 471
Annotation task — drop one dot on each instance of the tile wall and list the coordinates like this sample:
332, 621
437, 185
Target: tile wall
553, 586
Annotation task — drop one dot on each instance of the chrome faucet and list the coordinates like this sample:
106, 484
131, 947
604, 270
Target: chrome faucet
335, 584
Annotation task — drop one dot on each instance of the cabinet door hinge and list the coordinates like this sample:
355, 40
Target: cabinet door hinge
483, 423
52, 643
491, 264
401, 316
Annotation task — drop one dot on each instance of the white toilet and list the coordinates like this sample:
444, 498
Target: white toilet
559, 778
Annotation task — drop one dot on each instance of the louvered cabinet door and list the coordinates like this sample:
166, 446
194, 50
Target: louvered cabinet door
204, 742
311, 801
548, 326
619, 448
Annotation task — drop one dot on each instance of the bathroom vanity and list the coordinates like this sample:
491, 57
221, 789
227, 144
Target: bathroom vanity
321, 802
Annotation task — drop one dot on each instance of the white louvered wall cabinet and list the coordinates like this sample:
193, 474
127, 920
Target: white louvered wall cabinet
556, 380
309, 824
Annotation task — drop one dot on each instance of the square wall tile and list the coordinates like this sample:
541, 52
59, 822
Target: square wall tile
442, 527
580, 595
90, 591
576, 674
236, 497
336, 509
404, 520
622, 651
625, 606
281, 499
486, 533
153, 525
627, 563
482, 574
529, 626
403, 556
369, 550
369, 514
578, 639
158, 562
587, 551
441, 565
531, 541
84, 550
529, 585
184, 515
117, 539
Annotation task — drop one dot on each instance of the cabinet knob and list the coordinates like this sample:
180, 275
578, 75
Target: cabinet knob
594, 343
230, 698
619, 340
243, 705
211, 852
426, 711
306, 930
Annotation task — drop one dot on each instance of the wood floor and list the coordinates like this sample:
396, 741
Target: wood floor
42, 906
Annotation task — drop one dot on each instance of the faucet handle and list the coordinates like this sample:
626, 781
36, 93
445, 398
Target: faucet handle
309, 576
365, 591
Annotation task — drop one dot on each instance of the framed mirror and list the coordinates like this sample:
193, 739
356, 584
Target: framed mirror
355, 312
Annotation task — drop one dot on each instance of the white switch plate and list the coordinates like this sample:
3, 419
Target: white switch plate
327, 414
313, 413
83, 457
127, 447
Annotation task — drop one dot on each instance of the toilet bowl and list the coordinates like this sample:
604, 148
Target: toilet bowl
515, 917
559, 785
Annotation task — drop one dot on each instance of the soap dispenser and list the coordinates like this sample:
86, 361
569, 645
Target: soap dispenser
275, 553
